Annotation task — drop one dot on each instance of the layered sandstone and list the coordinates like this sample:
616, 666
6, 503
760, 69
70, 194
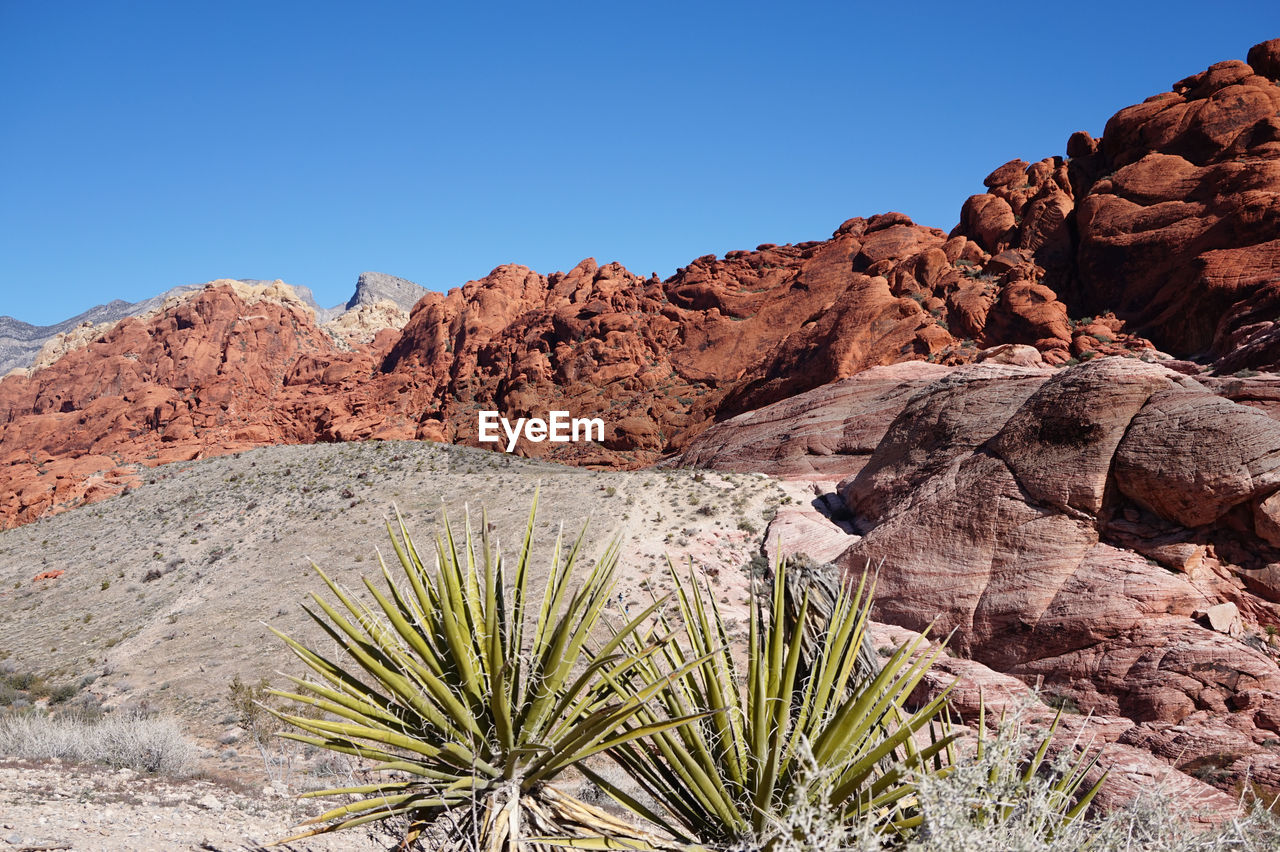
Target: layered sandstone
1109, 530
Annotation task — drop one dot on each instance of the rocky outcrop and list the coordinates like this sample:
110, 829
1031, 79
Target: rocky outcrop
225, 370
724, 335
1166, 227
26, 346
813, 436
1111, 529
239, 365
1075, 529
1108, 530
361, 324
665, 358
1049, 266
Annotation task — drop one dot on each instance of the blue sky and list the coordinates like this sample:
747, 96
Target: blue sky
146, 145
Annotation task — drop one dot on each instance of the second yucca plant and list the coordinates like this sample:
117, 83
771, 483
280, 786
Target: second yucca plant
796, 732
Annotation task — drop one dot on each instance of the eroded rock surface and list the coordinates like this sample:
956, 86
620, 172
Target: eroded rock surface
1167, 227
1108, 529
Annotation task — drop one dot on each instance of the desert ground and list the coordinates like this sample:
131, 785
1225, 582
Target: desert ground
166, 593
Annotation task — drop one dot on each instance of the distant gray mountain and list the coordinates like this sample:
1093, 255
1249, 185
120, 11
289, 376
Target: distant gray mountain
374, 287
20, 341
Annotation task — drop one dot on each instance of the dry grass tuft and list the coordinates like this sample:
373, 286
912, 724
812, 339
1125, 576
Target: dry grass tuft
134, 741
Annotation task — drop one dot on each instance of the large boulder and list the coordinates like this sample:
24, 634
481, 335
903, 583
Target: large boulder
1106, 530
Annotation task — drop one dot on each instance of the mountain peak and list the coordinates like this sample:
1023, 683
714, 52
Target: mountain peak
375, 287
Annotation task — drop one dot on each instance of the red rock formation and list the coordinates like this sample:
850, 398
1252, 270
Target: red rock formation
225, 370
1113, 529
234, 367
1167, 225
1170, 223
812, 436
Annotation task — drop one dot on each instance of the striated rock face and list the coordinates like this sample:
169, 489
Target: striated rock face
812, 436
1110, 528
1081, 528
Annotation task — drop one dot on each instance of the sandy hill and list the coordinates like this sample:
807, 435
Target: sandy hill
162, 594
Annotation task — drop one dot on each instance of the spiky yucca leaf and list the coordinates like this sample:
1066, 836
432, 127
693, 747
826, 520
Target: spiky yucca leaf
731, 776
457, 687
1060, 784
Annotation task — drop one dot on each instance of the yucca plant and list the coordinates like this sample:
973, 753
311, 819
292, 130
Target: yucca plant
1011, 781
836, 738
1009, 793
468, 699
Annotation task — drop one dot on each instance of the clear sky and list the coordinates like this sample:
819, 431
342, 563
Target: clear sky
150, 144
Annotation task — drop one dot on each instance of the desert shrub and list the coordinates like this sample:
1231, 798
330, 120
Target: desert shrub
253, 703
1154, 822
85, 707
989, 803
63, 693
134, 741
250, 704
1007, 794
28, 687
466, 697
